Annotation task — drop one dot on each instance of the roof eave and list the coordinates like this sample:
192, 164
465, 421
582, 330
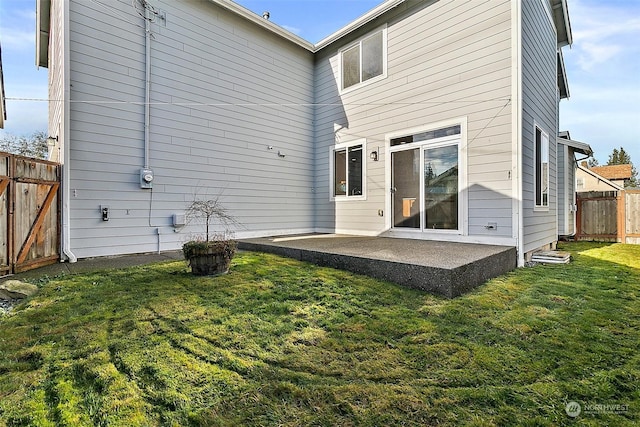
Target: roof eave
562, 22
3, 106
43, 21
578, 146
364, 19
563, 82
264, 23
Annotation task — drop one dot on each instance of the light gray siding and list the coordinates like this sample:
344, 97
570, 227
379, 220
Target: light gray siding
566, 190
447, 59
56, 79
222, 92
539, 93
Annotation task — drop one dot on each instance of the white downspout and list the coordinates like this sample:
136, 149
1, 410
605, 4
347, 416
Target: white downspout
516, 129
147, 84
66, 136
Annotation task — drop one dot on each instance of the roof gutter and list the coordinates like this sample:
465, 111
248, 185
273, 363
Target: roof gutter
364, 19
264, 23
275, 28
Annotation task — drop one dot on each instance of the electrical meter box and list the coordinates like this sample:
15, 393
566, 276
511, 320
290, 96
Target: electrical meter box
146, 178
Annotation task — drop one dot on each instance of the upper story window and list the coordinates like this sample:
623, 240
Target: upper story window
542, 168
365, 61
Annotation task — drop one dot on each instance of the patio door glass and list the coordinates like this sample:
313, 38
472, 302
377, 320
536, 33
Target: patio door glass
425, 185
405, 183
441, 188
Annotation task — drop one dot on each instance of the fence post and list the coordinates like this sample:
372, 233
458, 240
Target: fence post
622, 223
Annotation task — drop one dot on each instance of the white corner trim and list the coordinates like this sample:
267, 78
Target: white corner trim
517, 205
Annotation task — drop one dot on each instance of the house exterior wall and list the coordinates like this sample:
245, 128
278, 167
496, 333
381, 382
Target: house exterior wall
56, 79
447, 60
566, 190
222, 92
539, 107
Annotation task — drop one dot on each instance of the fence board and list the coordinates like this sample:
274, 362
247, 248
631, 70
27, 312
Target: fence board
609, 216
29, 213
632, 217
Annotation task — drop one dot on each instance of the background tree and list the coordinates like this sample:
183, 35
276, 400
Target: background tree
592, 162
621, 157
34, 145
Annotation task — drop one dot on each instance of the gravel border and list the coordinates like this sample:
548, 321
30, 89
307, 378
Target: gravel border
7, 304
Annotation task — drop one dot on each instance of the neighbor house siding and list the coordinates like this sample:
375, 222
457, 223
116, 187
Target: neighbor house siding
539, 92
222, 93
446, 60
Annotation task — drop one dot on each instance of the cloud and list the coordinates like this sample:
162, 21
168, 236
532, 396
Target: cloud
603, 33
592, 54
17, 40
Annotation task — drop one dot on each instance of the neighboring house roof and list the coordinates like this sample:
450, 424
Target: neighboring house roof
579, 147
613, 171
3, 106
600, 177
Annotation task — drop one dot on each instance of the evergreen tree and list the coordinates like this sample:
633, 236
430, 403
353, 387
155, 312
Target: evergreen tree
592, 162
621, 157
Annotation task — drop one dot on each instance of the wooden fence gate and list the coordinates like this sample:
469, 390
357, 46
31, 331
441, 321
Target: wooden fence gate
29, 213
609, 216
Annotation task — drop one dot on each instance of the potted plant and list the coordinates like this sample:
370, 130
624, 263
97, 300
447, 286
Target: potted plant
210, 254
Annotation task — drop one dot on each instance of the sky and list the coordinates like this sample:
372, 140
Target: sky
603, 64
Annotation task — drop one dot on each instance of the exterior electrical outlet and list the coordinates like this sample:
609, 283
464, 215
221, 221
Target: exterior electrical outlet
146, 178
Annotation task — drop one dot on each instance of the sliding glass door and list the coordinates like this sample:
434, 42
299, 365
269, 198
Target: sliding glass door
425, 183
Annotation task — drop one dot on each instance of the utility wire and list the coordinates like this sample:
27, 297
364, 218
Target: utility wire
260, 104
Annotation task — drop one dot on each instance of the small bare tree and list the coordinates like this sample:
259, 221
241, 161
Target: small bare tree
209, 210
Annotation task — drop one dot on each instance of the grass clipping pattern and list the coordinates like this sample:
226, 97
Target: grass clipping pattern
279, 342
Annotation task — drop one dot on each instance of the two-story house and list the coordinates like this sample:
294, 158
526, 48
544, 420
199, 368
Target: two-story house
426, 119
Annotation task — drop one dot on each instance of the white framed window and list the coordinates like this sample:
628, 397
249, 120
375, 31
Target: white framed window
364, 61
541, 168
348, 171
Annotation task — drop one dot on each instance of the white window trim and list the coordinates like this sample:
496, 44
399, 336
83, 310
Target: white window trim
536, 206
463, 202
346, 145
359, 42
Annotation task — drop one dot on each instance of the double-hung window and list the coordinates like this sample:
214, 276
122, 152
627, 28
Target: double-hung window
365, 60
541, 168
348, 170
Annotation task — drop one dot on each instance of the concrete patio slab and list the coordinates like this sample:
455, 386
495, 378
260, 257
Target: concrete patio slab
444, 268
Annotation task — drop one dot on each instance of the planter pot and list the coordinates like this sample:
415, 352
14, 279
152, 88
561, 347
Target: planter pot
209, 258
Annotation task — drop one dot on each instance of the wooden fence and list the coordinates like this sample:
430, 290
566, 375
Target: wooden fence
29, 213
609, 216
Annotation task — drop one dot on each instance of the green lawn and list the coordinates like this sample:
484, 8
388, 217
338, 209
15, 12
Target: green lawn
279, 342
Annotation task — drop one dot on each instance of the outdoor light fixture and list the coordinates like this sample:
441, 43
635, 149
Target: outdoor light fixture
374, 156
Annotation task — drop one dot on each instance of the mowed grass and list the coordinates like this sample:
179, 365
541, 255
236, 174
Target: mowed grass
279, 342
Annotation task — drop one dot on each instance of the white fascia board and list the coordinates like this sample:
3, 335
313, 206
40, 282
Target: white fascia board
563, 82
563, 24
43, 22
3, 109
264, 23
364, 19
